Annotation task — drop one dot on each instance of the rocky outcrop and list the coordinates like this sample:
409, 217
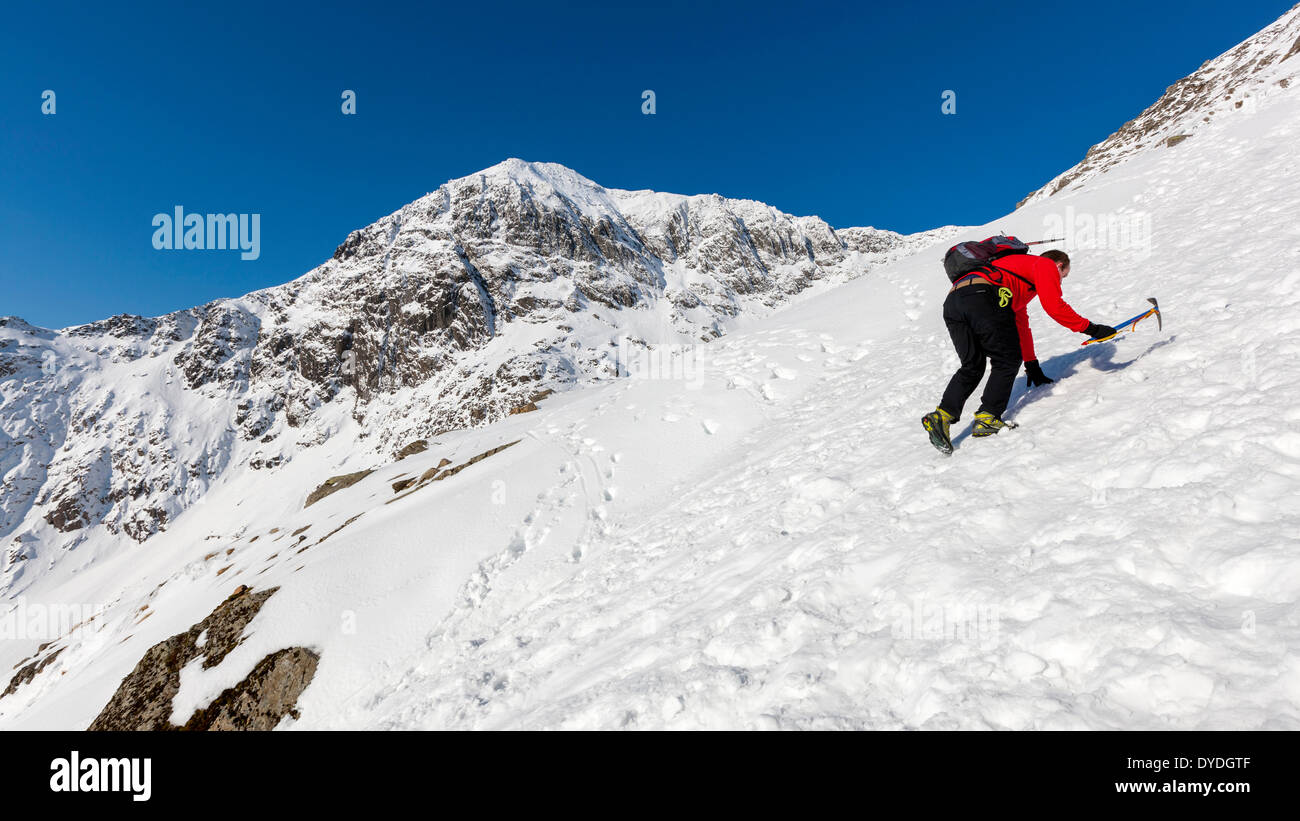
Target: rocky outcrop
335, 484
1233, 82
30, 671
418, 446
143, 701
264, 697
443, 470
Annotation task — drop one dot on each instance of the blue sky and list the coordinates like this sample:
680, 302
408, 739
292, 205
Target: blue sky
827, 109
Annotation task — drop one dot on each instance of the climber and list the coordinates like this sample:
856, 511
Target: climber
986, 316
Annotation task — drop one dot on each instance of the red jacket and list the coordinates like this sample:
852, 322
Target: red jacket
1046, 285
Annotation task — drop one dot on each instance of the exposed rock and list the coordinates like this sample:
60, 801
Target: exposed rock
143, 701
349, 521
30, 672
66, 514
531, 404
260, 462
437, 473
264, 697
1295, 49
473, 460
335, 484
418, 446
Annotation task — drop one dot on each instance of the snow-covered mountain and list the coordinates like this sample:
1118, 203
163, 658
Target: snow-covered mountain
754, 533
452, 312
1239, 79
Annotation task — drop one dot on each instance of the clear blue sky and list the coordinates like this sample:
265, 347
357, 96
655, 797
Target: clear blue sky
828, 109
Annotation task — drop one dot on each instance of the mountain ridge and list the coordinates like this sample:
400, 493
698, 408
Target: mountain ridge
452, 311
1240, 78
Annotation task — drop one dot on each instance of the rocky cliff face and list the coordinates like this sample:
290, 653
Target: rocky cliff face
449, 313
1236, 81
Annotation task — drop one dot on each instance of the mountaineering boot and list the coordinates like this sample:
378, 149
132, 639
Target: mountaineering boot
936, 424
986, 424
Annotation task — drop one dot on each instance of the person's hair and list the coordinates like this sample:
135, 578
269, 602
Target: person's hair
1057, 256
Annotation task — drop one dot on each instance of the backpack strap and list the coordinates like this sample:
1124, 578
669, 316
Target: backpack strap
1001, 270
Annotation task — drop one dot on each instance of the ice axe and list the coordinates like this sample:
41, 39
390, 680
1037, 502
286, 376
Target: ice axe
1130, 324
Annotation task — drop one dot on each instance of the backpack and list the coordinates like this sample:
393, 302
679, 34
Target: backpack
971, 256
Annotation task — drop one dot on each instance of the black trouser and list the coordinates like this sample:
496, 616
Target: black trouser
980, 330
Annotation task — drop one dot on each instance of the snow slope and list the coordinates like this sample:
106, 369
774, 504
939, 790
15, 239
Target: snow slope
454, 311
768, 541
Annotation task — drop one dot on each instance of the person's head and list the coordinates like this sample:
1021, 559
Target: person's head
1061, 259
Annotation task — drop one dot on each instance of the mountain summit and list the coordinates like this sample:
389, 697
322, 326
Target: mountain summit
1236, 81
457, 309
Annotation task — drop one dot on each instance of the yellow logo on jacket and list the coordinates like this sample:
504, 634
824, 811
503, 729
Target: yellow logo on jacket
1004, 297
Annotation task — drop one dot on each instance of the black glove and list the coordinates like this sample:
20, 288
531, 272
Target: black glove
1034, 374
1100, 331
